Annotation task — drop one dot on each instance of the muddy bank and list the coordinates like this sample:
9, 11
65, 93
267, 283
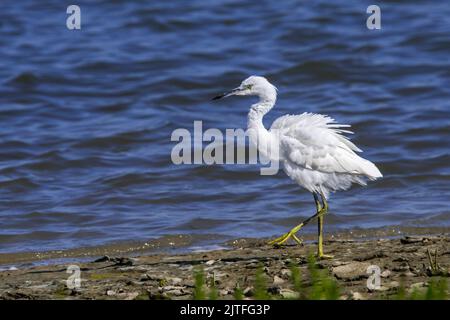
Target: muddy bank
403, 262
184, 243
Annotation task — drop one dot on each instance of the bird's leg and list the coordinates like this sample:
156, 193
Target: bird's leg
317, 201
280, 240
320, 253
319, 224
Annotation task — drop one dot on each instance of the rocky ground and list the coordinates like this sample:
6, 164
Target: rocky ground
409, 263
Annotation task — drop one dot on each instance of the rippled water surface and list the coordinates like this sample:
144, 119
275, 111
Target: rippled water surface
86, 116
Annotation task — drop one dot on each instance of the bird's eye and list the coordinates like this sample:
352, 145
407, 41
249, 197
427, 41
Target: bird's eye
248, 86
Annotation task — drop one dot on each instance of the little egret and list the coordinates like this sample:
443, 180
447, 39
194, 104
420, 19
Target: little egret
313, 151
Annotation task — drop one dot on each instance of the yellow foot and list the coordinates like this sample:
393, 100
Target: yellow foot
322, 256
285, 237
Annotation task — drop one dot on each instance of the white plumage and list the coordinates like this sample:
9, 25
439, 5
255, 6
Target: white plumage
313, 150
315, 153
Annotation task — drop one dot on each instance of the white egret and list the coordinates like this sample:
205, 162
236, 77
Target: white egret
312, 151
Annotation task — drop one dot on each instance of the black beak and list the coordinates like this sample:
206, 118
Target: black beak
220, 96
226, 94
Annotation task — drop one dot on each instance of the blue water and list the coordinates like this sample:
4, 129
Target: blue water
87, 115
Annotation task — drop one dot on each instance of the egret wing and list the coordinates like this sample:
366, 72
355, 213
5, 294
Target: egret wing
317, 142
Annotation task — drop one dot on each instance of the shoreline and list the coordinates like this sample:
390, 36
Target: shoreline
403, 262
189, 243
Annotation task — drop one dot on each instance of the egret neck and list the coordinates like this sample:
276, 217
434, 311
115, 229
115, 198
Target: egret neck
255, 126
258, 110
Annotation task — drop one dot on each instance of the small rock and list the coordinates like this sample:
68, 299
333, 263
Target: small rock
176, 292
385, 274
248, 292
412, 239
126, 268
143, 268
119, 261
274, 290
189, 283
286, 273
122, 261
381, 288
289, 294
224, 292
110, 292
174, 280
172, 288
370, 256
351, 271
394, 284
210, 262
156, 295
103, 259
128, 295
404, 266
146, 277
337, 263
418, 285
187, 268
277, 280
358, 296
74, 292
39, 286
401, 259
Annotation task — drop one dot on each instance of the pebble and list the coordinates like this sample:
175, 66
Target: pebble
172, 288
385, 274
174, 280
337, 263
394, 284
286, 273
146, 277
126, 268
110, 292
351, 271
128, 295
122, 261
103, 259
248, 291
277, 280
189, 283
381, 288
404, 266
412, 239
225, 292
408, 274
176, 292
400, 259
274, 290
289, 294
418, 285
210, 262
358, 296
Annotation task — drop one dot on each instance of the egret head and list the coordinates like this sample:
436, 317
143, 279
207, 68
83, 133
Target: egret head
252, 86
